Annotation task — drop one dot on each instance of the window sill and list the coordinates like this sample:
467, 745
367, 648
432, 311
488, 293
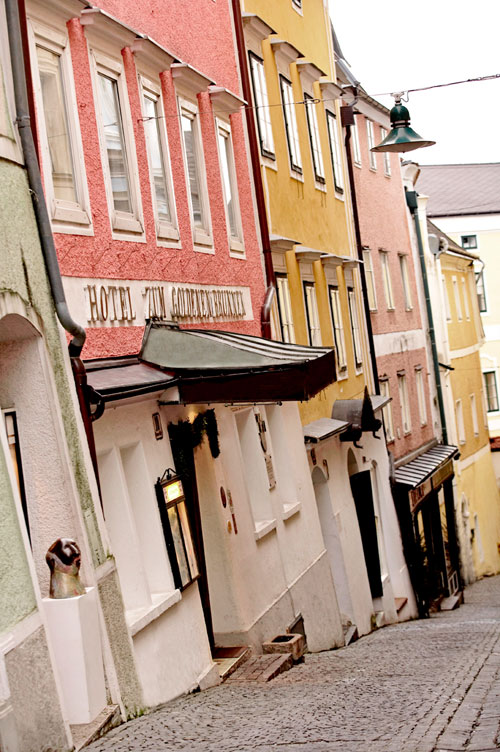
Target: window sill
289, 510
357, 164
263, 528
236, 247
320, 186
373, 169
139, 618
342, 374
387, 175
295, 175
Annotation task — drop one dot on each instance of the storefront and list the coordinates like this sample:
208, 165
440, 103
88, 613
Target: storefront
425, 503
208, 499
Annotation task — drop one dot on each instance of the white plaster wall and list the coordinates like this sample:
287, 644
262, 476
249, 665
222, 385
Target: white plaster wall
172, 651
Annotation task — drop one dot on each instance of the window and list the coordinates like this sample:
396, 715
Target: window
370, 280
469, 241
11, 430
262, 106
356, 336
312, 314
356, 151
473, 410
338, 327
387, 410
159, 166
117, 147
422, 408
446, 299
404, 402
229, 186
481, 292
490, 385
386, 154
59, 130
297, 4
195, 171
403, 264
466, 299
456, 294
386, 276
335, 152
312, 124
257, 465
177, 532
371, 143
459, 414
292, 133
284, 309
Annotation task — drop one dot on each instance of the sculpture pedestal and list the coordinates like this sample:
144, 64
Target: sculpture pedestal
73, 625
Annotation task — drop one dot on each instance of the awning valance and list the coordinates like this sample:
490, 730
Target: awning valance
214, 366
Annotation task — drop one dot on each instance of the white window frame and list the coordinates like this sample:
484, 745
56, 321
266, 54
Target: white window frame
164, 230
486, 390
202, 236
387, 409
422, 407
386, 276
473, 409
456, 295
262, 110
284, 304
467, 245
370, 280
290, 121
66, 216
310, 104
297, 6
459, 414
355, 330
405, 279
123, 224
404, 402
446, 298
335, 152
356, 150
235, 241
481, 284
338, 327
466, 299
371, 143
387, 155
312, 313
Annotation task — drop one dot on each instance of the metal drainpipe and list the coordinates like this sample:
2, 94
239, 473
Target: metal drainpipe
347, 113
412, 203
257, 175
23, 120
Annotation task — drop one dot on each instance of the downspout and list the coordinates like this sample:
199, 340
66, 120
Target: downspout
412, 203
23, 120
347, 113
265, 315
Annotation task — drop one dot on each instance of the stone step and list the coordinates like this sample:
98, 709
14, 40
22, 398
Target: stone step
400, 603
228, 660
85, 733
350, 634
451, 602
262, 668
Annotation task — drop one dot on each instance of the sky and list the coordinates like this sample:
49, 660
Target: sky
395, 46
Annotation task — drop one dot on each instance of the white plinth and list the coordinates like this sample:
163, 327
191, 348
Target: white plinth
73, 625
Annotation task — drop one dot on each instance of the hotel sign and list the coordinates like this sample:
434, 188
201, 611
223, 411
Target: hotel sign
130, 302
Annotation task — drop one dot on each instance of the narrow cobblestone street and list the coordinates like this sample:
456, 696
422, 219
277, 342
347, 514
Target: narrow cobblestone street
422, 686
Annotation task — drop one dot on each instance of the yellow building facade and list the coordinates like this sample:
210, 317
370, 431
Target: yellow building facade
477, 495
303, 170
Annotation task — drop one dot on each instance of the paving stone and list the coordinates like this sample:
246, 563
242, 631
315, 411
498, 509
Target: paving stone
423, 686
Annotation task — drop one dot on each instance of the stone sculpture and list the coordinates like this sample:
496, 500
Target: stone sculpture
64, 560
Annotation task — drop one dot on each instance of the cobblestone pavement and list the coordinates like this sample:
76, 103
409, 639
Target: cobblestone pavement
424, 686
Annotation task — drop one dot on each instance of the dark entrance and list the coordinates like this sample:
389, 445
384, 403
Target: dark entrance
361, 487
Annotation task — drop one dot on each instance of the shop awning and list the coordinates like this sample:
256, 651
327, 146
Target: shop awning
214, 366
322, 429
425, 465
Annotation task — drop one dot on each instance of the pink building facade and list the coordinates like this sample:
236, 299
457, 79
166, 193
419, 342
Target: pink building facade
393, 292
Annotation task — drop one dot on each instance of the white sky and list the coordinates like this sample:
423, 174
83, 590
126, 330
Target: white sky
393, 46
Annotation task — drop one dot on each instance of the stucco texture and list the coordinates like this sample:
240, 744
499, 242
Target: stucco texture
34, 696
22, 273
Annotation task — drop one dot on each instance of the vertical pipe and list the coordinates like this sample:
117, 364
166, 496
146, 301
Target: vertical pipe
411, 200
256, 169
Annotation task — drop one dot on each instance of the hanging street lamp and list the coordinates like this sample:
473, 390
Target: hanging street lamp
401, 137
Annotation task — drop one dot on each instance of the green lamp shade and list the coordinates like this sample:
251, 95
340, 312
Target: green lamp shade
401, 137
